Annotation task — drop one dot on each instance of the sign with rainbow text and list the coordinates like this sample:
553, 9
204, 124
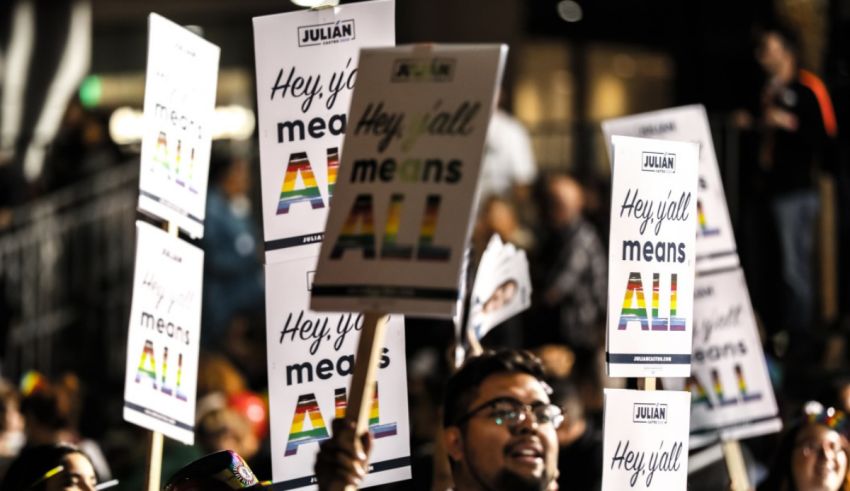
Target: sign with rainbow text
398, 229
162, 341
306, 68
732, 397
651, 258
715, 245
646, 440
180, 86
311, 359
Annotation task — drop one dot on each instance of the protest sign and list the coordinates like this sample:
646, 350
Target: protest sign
502, 287
306, 68
311, 357
180, 87
651, 258
715, 246
397, 232
646, 440
732, 397
164, 332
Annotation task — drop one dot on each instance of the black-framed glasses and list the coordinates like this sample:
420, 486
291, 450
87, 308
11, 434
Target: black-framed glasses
511, 412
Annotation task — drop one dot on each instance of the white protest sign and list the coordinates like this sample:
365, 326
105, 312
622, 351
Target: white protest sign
715, 238
646, 440
502, 287
306, 68
397, 232
732, 397
311, 358
164, 333
651, 258
180, 86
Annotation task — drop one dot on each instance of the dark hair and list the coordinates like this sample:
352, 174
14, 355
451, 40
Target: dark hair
789, 38
566, 395
33, 463
462, 387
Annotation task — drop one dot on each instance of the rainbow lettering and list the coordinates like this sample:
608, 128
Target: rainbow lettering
165, 388
161, 152
427, 249
299, 163
698, 394
358, 231
150, 371
634, 287
307, 406
742, 386
391, 248
718, 390
703, 229
676, 323
333, 169
180, 395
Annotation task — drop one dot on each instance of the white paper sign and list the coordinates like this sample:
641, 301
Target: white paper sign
402, 207
502, 287
651, 258
164, 332
306, 69
730, 387
715, 237
646, 440
311, 358
180, 86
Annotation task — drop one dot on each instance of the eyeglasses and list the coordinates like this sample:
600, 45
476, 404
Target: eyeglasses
511, 412
812, 447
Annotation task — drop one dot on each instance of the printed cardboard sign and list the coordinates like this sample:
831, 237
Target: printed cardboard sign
502, 287
732, 396
651, 258
402, 208
646, 440
180, 86
306, 69
311, 358
164, 332
715, 238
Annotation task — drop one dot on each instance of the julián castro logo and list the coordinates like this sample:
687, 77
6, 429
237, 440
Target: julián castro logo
423, 70
658, 162
330, 33
649, 413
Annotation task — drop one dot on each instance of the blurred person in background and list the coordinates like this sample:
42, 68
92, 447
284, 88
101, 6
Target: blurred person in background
233, 280
813, 453
579, 441
11, 425
51, 412
219, 471
508, 167
52, 467
568, 272
498, 216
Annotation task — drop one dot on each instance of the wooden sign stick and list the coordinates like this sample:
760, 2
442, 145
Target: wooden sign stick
736, 466
649, 383
153, 466
362, 389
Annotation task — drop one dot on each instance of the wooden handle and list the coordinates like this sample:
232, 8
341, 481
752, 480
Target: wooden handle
649, 383
363, 379
153, 470
736, 466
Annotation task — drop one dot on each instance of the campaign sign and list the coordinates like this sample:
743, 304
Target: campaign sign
311, 359
180, 87
164, 332
306, 69
651, 258
732, 396
401, 215
715, 238
646, 440
502, 287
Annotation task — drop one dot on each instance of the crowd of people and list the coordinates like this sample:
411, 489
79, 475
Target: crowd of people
526, 414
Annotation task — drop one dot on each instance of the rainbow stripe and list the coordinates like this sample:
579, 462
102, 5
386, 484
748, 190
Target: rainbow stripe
658, 323
718, 390
161, 152
298, 163
390, 248
179, 394
147, 356
358, 231
634, 288
698, 394
676, 323
333, 170
742, 386
703, 229
165, 388
427, 250
306, 407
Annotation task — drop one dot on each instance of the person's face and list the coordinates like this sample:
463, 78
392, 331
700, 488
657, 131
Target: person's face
771, 53
498, 457
78, 475
818, 462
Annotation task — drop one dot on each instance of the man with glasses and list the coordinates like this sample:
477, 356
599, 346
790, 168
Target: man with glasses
499, 429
